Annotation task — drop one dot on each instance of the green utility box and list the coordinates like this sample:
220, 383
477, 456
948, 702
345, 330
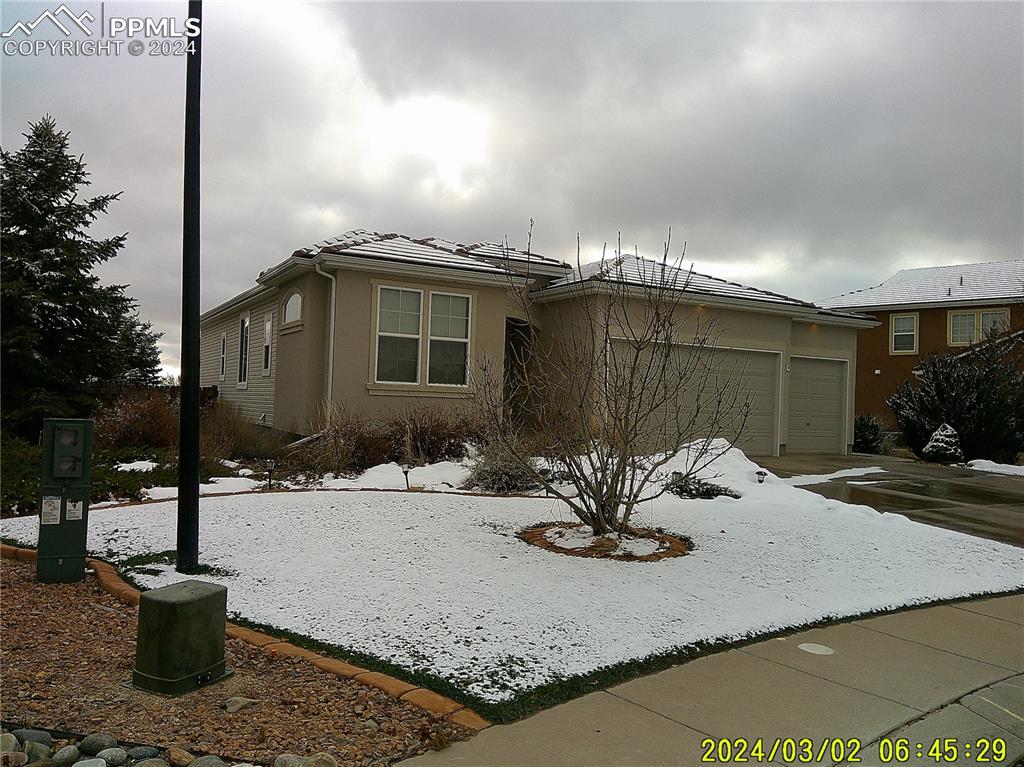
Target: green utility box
64, 499
181, 638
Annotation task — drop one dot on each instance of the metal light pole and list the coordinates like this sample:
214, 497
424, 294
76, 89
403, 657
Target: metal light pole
188, 446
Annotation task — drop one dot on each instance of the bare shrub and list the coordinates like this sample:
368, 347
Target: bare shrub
225, 433
143, 418
632, 380
494, 471
422, 435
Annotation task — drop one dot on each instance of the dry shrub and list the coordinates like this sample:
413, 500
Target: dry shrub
137, 418
347, 441
225, 433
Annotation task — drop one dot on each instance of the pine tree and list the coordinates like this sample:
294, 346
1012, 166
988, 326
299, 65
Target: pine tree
63, 331
944, 446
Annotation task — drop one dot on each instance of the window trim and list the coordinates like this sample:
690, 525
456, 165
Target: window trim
284, 313
468, 339
377, 334
223, 355
1004, 310
892, 334
243, 362
267, 356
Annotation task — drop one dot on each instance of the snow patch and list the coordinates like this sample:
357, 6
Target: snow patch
996, 468
814, 479
137, 466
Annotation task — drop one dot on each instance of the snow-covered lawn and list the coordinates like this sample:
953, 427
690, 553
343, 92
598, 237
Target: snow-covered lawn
439, 582
996, 468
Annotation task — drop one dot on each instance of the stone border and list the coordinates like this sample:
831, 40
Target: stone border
111, 582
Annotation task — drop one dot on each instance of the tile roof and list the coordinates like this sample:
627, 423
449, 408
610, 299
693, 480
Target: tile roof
637, 270
485, 257
996, 280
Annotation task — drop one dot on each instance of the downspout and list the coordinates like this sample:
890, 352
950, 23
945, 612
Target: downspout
330, 337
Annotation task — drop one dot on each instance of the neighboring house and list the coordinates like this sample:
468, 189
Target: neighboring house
923, 311
384, 321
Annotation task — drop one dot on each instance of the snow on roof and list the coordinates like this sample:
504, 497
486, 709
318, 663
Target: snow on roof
636, 270
431, 251
996, 280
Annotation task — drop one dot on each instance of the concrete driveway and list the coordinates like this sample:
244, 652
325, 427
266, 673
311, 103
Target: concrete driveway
974, 502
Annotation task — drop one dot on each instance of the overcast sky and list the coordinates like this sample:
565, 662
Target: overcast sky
809, 149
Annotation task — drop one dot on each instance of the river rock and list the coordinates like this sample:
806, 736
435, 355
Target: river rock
36, 736
13, 759
36, 751
154, 762
93, 744
90, 763
178, 757
114, 757
9, 743
141, 753
66, 756
208, 761
237, 703
290, 760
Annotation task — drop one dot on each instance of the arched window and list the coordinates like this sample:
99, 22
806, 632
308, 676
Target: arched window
293, 308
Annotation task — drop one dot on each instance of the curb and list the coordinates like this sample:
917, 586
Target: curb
428, 700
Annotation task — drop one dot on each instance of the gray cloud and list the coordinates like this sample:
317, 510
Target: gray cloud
804, 148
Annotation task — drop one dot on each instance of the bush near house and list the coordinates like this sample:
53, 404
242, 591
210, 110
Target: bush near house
979, 393
868, 435
495, 472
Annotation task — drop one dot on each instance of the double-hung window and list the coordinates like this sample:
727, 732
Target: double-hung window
243, 350
223, 354
903, 334
398, 335
268, 334
962, 328
968, 326
448, 351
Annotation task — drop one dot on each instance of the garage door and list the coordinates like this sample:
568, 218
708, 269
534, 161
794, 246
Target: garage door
755, 375
816, 406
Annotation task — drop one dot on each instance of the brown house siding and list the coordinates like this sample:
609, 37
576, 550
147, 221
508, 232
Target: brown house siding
879, 372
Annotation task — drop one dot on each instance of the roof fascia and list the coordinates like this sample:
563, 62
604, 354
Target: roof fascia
992, 301
236, 302
337, 261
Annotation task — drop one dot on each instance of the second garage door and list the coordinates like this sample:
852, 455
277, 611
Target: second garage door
817, 412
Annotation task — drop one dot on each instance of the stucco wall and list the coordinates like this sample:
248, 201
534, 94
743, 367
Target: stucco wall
302, 352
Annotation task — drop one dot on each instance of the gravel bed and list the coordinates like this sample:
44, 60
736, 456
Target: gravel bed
68, 649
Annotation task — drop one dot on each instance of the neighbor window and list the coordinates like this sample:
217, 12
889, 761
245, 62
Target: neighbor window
292, 308
223, 354
966, 327
448, 350
268, 330
243, 349
398, 335
903, 328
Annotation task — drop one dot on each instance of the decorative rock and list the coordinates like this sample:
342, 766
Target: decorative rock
93, 744
208, 761
321, 760
114, 757
178, 757
90, 762
36, 751
290, 760
156, 762
43, 763
9, 743
36, 736
237, 703
13, 758
140, 753
66, 756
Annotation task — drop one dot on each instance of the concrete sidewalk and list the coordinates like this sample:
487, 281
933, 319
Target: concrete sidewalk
939, 672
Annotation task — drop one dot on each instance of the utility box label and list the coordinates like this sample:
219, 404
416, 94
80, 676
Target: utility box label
74, 511
49, 511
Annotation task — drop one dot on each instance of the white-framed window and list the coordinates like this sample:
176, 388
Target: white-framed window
268, 335
994, 321
903, 334
448, 346
243, 350
292, 309
969, 325
399, 313
223, 355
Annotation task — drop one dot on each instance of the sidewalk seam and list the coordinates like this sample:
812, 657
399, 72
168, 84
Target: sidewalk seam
658, 713
996, 617
1013, 671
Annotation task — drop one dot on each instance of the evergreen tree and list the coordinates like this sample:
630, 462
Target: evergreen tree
944, 446
63, 332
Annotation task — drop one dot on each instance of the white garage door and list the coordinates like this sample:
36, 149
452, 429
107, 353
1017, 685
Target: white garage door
817, 391
754, 376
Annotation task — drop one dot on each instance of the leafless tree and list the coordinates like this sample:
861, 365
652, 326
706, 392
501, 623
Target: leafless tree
611, 381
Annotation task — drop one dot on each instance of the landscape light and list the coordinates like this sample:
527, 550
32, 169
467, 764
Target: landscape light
405, 471
760, 476
271, 465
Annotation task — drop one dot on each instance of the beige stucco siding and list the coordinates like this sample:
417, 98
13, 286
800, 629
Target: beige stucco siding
254, 399
302, 355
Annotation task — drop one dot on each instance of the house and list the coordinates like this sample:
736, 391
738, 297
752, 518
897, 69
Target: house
928, 310
385, 321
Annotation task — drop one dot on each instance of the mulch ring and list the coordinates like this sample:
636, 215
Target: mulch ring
576, 540
68, 649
